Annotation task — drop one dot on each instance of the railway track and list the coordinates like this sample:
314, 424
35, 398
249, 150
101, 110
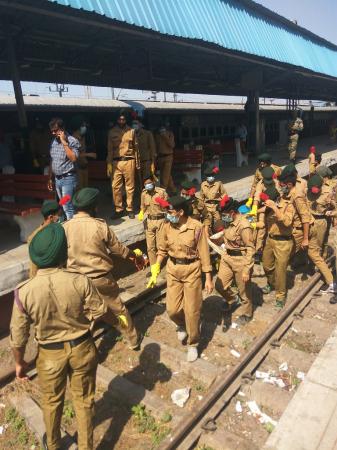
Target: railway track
133, 404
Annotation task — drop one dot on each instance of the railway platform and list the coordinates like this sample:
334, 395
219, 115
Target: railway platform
14, 260
309, 421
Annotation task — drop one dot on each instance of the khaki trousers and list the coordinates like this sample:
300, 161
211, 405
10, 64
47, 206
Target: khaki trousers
292, 145
259, 235
123, 173
54, 367
231, 268
313, 252
322, 231
151, 234
109, 291
165, 167
213, 213
275, 259
82, 178
184, 297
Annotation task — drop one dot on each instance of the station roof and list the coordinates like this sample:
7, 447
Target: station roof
202, 46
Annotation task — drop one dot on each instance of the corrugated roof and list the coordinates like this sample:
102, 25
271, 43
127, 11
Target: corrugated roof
239, 25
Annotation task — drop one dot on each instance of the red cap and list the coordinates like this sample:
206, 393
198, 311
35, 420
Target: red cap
274, 176
223, 201
192, 191
312, 149
64, 200
215, 169
264, 196
315, 190
161, 202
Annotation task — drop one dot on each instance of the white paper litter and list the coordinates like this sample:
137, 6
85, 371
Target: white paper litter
262, 417
300, 375
268, 378
261, 375
180, 396
235, 353
242, 394
2, 429
234, 325
294, 330
283, 367
238, 407
2, 405
175, 373
200, 397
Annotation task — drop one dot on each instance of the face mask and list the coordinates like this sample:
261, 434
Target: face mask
284, 190
135, 126
210, 179
149, 186
227, 220
83, 130
171, 218
188, 197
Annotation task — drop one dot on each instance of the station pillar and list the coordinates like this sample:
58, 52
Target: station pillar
253, 121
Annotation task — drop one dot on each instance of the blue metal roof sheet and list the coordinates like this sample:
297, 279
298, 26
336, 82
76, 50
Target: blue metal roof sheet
232, 24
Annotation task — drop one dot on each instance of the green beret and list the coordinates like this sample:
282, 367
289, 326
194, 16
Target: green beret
49, 207
315, 180
48, 248
228, 204
211, 171
85, 198
177, 202
187, 184
268, 173
272, 192
288, 171
324, 171
264, 157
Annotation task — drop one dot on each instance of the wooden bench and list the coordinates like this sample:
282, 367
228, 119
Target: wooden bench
28, 192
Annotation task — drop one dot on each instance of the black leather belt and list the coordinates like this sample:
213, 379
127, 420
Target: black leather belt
299, 228
182, 261
124, 158
72, 342
65, 175
234, 252
212, 202
156, 217
280, 238
320, 216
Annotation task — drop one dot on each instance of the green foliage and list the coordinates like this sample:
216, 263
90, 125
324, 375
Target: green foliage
68, 412
269, 427
146, 423
18, 426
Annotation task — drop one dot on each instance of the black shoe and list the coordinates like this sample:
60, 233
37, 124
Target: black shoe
333, 300
243, 320
131, 214
117, 215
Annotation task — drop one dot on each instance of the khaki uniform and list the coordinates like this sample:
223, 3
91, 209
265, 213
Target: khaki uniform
318, 206
301, 186
278, 247
200, 212
258, 177
147, 151
91, 248
184, 285
122, 153
302, 216
61, 306
238, 259
294, 128
82, 162
39, 143
211, 194
154, 221
312, 164
165, 145
32, 266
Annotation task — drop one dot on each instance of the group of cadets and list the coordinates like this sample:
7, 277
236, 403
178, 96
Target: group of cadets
72, 284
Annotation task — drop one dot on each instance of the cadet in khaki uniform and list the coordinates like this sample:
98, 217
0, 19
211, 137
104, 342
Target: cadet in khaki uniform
295, 127
122, 163
211, 193
304, 229
92, 248
147, 148
199, 210
184, 241
279, 217
165, 146
264, 161
61, 305
315, 160
326, 173
238, 260
321, 203
51, 212
151, 207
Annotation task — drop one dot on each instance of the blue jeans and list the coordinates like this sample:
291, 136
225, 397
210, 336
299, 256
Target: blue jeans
66, 186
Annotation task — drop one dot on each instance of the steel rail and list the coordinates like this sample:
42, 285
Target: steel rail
232, 381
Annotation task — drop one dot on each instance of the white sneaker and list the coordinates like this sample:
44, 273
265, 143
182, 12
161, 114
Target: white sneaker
192, 354
330, 289
181, 334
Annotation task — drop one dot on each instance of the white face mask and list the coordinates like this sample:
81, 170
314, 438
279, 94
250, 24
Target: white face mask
83, 130
210, 179
149, 186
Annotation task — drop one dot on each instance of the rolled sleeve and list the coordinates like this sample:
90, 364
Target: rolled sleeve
203, 251
162, 241
116, 247
19, 328
74, 145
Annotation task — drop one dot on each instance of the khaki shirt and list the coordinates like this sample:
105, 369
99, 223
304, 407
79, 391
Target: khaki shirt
92, 245
59, 303
148, 203
283, 226
121, 143
258, 177
319, 205
39, 144
302, 212
165, 143
33, 267
200, 212
296, 125
239, 236
188, 241
301, 186
146, 145
213, 191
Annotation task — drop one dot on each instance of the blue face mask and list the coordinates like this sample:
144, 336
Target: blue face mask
210, 179
227, 219
171, 218
149, 186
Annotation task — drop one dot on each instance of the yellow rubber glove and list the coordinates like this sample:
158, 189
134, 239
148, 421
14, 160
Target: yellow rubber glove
109, 169
123, 321
253, 211
253, 225
151, 284
36, 163
155, 271
249, 202
140, 216
138, 252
